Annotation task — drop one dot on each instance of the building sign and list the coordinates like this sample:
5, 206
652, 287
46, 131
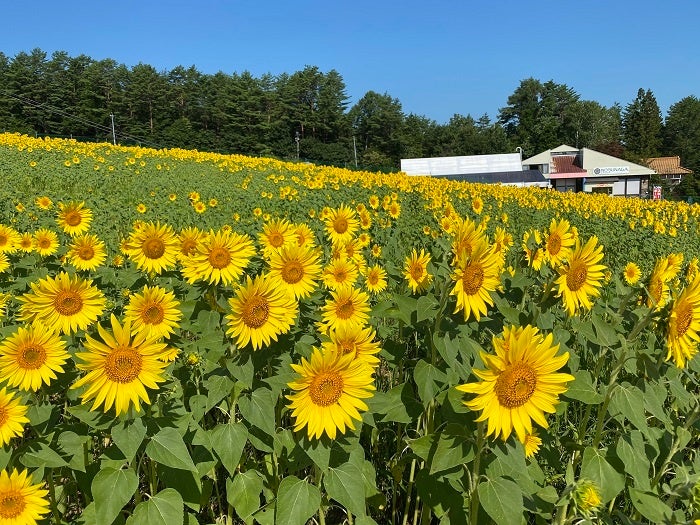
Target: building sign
657, 193
612, 170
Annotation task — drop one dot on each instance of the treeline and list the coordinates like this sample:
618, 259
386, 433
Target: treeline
307, 115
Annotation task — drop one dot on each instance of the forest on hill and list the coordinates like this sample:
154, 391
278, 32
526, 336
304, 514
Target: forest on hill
307, 115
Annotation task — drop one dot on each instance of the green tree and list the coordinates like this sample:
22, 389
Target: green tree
642, 126
594, 125
377, 121
682, 132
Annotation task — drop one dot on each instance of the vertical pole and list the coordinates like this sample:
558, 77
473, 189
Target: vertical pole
354, 148
114, 135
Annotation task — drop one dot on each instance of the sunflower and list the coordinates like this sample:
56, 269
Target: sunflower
21, 503
683, 329
328, 393
4, 262
375, 279
260, 312
632, 273
45, 242
220, 257
531, 444
296, 269
9, 239
87, 252
43, 202
4, 300
581, 276
199, 207
153, 248
365, 220
339, 273
347, 307
13, 417
356, 340
276, 234
477, 205
26, 242
119, 368
658, 290
467, 235
531, 242
558, 242
374, 201
189, 238
476, 277
154, 312
141, 208
63, 304
31, 356
416, 271
341, 225
74, 218
304, 235
520, 383
394, 210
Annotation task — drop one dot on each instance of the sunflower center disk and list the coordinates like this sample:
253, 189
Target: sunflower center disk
685, 317
472, 279
576, 276
340, 225
347, 347
3, 239
153, 314
44, 243
515, 385
417, 272
68, 302
11, 504
276, 239
345, 310
153, 248
293, 272
3, 416
256, 311
123, 365
73, 218
188, 247
31, 357
554, 244
86, 253
341, 276
326, 388
219, 258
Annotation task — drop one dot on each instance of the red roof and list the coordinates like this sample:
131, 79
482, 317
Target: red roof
564, 166
667, 165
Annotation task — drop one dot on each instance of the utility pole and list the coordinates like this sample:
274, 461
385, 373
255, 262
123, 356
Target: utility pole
114, 135
297, 138
354, 148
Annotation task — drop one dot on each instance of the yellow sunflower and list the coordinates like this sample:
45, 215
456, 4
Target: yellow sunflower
682, 332
305, 235
276, 234
347, 307
520, 382
342, 224
296, 269
45, 242
632, 273
219, 257
328, 393
531, 241
14, 417
375, 279
4, 263
154, 312
531, 444
87, 252
189, 238
119, 369
581, 276
153, 248
21, 503
74, 218
356, 340
658, 289
26, 242
394, 210
339, 273
260, 312
31, 357
476, 277
558, 242
416, 271
43, 202
63, 304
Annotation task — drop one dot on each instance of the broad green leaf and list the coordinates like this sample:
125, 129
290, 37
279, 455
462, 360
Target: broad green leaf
72, 446
112, 489
406, 306
198, 406
228, 441
258, 409
128, 435
398, 404
454, 447
650, 506
345, 485
42, 455
243, 492
297, 501
606, 335
630, 449
365, 520
218, 387
502, 500
188, 484
165, 508
429, 381
582, 389
426, 307
628, 400
168, 448
596, 468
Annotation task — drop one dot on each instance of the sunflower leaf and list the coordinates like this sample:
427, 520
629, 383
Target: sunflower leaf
228, 441
165, 508
112, 489
168, 448
297, 501
502, 500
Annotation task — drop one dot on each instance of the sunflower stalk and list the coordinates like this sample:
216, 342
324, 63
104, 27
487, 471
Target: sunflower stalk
612, 384
52, 499
473, 493
675, 446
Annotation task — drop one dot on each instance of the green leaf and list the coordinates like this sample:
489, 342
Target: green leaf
596, 468
346, 486
406, 305
297, 501
454, 447
72, 446
128, 435
258, 409
165, 508
188, 484
582, 389
168, 448
628, 401
228, 441
112, 489
650, 506
502, 500
398, 404
218, 387
426, 307
42, 455
630, 449
429, 381
243, 493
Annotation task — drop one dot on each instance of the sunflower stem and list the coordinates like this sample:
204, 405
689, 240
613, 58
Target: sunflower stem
689, 421
612, 384
473, 494
52, 499
319, 482
409, 491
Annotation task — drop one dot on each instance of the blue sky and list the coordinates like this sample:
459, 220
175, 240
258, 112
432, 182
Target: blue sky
438, 58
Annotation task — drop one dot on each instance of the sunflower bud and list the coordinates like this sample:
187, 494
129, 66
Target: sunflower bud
587, 496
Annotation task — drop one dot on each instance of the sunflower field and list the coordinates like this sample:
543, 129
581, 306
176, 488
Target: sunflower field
193, 338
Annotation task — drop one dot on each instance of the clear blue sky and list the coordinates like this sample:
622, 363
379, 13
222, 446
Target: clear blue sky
436, 57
